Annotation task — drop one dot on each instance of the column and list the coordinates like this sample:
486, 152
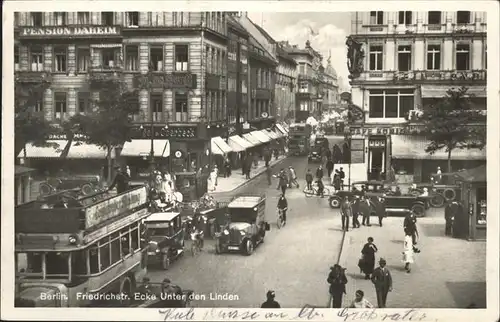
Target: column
47, 54
144, 104
72, 58
95, 56
23, 58
419, 55
143, 58
167, 105
71, 102
48, 105
477, 54
390, 52
447, 54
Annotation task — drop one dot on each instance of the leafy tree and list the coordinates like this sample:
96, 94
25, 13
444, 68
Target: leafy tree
452, 123
108, 124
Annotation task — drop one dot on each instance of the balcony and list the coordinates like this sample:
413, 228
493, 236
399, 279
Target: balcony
33, 77
423, 76
100, 74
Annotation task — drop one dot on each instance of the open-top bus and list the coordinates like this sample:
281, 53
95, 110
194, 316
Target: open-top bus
74, 251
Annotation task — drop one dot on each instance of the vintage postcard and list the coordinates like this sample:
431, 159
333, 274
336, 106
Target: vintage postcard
250, 160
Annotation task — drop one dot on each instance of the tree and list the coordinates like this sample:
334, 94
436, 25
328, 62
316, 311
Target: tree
30, 126
109, 124
452, 123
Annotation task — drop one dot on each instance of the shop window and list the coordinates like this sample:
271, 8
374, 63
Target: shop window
56, 263
405, 17
60, 104
434, 57
133, 19
156, 101
376, 54
83, 102
434, 17
36, 19
182, 57
83, 58
107, 18
36, 57
404, 58
376, 17
156, 58
60, 18
115, 248
463, 17
104, 254
94, 259
83, 18
463, 57
60, 59
79, 262
181, 107
481, 206
132, 58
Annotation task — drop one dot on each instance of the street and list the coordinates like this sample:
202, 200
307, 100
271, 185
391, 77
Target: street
293, 261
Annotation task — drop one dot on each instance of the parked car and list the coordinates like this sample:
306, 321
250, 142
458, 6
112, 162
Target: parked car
370, 188
87, 184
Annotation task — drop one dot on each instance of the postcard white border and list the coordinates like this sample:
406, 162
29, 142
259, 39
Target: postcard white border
8, 312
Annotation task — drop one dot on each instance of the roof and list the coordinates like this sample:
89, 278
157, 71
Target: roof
162, 216
284, 54
473, 175
264, 33
234, 23
245, 202
20, 170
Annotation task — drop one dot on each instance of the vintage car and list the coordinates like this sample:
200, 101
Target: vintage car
247, 225
154, 295
371, 188
165, 235
315, 155
86, 184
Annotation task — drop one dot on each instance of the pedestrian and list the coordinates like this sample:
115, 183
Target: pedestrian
337, 280
380, 209
248, 166
360, 302
121, 181
329, 166
365, 209
368, 258
283, 181
328, 153
270, 303
269, 175
227, 167
449, 217
410, 227
408, 252
267, 156
319, 172
460, 227
342, 177
382, 279
337, 183
127, 170
321, 188
346, 213
355, 212
309, 179
439, 175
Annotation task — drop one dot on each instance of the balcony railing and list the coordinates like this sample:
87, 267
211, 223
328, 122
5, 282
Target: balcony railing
448, 28
423, 76
33, 77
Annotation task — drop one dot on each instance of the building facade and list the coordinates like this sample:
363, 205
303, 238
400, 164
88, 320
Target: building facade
399, 62
286, 85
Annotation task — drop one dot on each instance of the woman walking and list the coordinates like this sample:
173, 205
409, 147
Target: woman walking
337, 281
408, 252
368, 258
360, 302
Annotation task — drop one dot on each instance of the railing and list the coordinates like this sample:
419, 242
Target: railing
423, 75
448, 28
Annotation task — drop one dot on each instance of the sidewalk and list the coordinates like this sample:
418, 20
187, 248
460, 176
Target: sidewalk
448, 273
237, 179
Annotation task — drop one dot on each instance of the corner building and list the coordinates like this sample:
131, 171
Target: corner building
411, 58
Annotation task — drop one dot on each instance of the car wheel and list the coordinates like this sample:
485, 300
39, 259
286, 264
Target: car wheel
449, 194
334, 202
437, 201
45, 189
87, 189
249, 248
418, 209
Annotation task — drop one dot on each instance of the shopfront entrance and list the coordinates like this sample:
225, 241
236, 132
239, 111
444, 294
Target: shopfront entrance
376, 157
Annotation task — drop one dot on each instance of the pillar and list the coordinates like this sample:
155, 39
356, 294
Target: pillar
71, 102
143, 58
389, 55
477, 54
72, 57
47, 54
447, 53
144, 103
48, 105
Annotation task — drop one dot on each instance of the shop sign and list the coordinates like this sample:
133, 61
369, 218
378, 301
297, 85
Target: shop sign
168, 81
115, 206
41, 32
379, 130
440, 75
160, 132
63, 136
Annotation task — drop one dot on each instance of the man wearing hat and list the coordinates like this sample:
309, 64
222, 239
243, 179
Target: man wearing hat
382, 279
121, 181
380, 209
270, 303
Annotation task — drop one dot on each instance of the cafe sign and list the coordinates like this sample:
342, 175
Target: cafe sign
381, 130
440, 75
90, 31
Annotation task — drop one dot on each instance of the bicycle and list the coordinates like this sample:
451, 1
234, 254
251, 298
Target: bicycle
314, 192
280, 221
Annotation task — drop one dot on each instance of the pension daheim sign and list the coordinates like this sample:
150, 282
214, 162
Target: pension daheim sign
67, 31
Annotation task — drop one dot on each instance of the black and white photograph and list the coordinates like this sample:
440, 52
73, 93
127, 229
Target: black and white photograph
266, 158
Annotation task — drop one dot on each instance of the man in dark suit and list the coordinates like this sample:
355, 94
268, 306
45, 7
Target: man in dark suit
355, 212
345, 212
121, 181
382, 279
365, 210
380, 209
449, 215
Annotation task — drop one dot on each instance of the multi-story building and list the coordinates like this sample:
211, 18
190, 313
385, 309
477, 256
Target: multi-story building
286, 85
400, 62
329, 88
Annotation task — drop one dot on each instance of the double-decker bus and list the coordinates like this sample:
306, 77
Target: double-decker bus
80, 251
299, 136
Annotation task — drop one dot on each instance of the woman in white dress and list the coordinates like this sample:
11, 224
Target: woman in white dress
408, 252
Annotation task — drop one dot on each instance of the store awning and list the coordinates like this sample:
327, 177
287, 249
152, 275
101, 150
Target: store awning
81, 150
413, 147
219, 146
20, 170
282, 129
473, 175
273, 135
239, 141
252, 139
142, 147
440, 91
45, 152
261, 135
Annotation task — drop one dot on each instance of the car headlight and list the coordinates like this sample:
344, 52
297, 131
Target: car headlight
157, 250
242, 233
226, 232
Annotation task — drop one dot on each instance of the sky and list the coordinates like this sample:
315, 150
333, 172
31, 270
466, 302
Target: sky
331, 30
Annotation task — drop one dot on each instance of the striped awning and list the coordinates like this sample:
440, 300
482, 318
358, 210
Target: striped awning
54, 151
80, 150
239, 141
219, 146
273, 135
261, 136
413, 147
141, 147
281, 128
252, 139
215, 149
440, 91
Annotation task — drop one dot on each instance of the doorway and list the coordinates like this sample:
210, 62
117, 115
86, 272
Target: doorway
376, 164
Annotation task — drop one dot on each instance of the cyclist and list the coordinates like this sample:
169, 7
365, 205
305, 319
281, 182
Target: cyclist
283, 206
293, 177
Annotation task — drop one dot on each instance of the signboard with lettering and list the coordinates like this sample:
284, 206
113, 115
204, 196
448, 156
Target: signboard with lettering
474, 75
160, 132
380, 130
69, 31
63, 136
357, 157
167, 81
115, 206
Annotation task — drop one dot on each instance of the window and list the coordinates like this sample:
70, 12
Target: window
115, 248
83, 58
104, 253
79, 262
131, 58
181, 57
157, 107
302, 69
60, 18
181, 107
83, 18
303, 106
405, 17
60, 59
434, 57
156, 58
376, 17
303, 87
391, 103
133, 18
16, 19
107, 18
60, 103
38, 106
434, 17
134, 239
83, 102
94, 259
56, 263
463, 17
462, 57
16, 58
108, 58
36, 59
36, 19
376, 57
404, 58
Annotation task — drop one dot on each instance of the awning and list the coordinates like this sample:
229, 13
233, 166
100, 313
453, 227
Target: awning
413, 147
141, 147
273, 135
239, 142
252, 139
20, 170
440, 91
219, 146
81, 150
278, 133
261, 135
45, 152
282, 129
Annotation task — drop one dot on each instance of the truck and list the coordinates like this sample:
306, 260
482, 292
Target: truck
76, 250
299, 139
